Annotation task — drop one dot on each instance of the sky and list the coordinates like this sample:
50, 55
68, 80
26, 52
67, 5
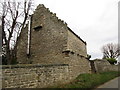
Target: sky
95, 21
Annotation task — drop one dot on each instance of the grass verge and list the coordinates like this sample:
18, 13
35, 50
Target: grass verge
90, 80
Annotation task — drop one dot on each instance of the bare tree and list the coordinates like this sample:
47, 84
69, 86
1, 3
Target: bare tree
14, 16
111, 50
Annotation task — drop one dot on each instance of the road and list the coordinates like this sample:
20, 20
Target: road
113, 84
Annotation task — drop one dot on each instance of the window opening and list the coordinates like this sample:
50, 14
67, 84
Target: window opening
38, 28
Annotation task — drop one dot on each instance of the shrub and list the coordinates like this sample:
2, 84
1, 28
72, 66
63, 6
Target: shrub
88, 56
111, 60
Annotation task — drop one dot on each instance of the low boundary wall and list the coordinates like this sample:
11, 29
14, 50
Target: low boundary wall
35, 76
101, 65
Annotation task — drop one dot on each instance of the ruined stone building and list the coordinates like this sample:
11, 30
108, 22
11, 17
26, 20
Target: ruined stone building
49, 54
48, 40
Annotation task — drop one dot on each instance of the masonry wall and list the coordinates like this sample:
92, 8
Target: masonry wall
22, 47
52, 38
79, 64
50, 43
76, 44
35, 76
101, 65
53, 43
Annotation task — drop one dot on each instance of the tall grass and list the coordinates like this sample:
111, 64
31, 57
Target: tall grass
90, 80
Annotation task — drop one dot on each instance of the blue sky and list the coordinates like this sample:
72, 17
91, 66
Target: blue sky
95, 21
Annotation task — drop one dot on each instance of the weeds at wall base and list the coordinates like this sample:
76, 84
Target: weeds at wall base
90, 81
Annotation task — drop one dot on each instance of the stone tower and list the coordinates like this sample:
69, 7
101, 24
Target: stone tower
51, 42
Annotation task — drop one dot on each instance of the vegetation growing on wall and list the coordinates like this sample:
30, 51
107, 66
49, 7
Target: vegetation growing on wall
111, 60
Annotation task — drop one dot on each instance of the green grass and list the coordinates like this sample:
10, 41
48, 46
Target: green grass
90, 80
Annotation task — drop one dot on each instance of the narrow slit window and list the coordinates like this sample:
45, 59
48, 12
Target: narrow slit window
38, 28
66, 53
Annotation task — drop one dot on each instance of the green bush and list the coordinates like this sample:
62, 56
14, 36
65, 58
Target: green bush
111, 60
88, 56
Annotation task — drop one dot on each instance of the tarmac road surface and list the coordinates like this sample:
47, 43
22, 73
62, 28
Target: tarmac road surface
114, 83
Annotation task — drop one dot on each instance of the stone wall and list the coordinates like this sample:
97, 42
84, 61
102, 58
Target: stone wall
22, 45
39, 76
51, 39
76, 44
48, 42
79, 64
52, 42
35, 76
101, 65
